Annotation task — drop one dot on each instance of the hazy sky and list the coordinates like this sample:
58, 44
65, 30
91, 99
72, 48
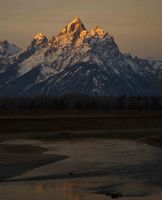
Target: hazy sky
135, 24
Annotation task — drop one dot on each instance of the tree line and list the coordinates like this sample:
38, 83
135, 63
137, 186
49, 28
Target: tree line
82, 102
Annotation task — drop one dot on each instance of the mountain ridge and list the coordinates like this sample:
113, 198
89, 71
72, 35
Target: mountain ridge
78, 61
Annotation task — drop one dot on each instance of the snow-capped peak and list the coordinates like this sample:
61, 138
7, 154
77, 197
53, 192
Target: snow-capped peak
75, 26
39, 36
7, 49
75, 44
39, 41
70, 33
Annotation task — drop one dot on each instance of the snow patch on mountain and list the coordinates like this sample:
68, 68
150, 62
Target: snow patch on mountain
28, 64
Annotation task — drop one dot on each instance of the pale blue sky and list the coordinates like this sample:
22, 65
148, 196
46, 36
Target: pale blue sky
135, 24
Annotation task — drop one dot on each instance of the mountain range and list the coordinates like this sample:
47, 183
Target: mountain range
76, 61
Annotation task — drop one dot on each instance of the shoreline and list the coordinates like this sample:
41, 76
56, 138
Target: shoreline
19, 159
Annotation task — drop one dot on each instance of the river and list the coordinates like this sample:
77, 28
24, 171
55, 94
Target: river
97, 169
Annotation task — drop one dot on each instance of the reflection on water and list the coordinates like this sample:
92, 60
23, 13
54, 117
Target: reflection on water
46, 191
94, 168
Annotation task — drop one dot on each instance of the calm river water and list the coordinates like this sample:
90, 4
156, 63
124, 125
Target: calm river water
96, 169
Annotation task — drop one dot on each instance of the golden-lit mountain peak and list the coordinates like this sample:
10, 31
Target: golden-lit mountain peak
39, 36
39, 40
71, 32
99, 31
75, 25
77, 20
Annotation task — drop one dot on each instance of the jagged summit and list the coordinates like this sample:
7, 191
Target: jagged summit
39, 36
39, 41
75, 43
75, 33
98, 31
71, 32
3, 46
3, 42
7, 49
75, 26
78, 22
77, 19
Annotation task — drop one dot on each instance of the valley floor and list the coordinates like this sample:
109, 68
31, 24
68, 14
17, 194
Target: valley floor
47, 124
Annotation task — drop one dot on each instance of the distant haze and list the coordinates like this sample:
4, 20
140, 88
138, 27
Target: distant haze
135, 24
